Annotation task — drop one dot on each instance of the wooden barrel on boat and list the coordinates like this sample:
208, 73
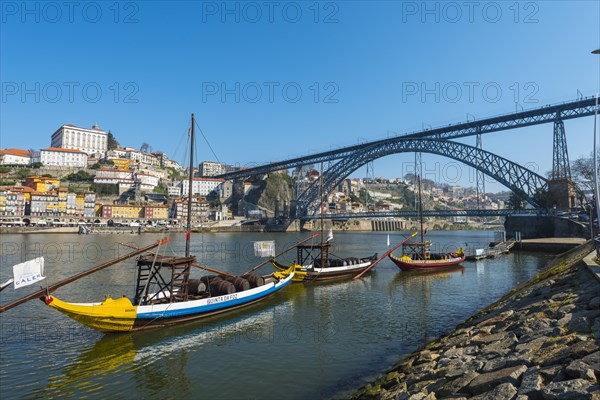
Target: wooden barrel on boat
207, 279
255, 280
221, 287
196, 286
270, 279
240, 283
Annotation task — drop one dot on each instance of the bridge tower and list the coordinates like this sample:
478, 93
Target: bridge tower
479, 176
418, 175
561, 188
560, 162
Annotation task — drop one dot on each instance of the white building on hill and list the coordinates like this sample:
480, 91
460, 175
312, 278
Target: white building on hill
93, 142
15, 157
58, 157
201, 186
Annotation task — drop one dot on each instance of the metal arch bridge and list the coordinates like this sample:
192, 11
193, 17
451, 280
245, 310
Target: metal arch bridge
519, 179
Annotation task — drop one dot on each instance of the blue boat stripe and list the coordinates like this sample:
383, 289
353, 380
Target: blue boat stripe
208, 307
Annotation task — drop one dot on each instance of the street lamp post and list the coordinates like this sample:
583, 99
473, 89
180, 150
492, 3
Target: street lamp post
595, 154
596, 165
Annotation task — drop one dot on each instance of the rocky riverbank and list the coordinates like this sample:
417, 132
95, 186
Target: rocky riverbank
541, 341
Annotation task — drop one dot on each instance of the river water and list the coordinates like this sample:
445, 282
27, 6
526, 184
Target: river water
315, 340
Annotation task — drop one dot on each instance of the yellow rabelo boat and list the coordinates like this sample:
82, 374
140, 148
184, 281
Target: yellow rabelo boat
165, 294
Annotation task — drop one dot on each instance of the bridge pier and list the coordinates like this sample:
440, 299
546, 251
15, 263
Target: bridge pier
532, 227
562, 194
387, 226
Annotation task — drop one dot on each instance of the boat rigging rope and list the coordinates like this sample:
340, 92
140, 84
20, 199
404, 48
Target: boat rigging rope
174, 154
185, 152
207, 142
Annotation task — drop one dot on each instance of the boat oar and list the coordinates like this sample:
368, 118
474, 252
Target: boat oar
216, 271
5, 284
73, 278
283, 252
384, 256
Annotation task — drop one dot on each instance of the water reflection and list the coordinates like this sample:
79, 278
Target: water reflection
420, 282
158, 360
109, 355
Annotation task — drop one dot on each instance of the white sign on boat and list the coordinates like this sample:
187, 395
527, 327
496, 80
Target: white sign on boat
264, 249
29, 272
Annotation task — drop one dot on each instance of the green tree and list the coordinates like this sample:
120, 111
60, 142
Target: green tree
111, 142
102, 163
108, 189
37, 165
146, 148
23, 173
174, 174
79, 176
515, 202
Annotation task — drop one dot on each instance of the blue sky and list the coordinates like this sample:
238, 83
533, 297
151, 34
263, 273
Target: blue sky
270, 81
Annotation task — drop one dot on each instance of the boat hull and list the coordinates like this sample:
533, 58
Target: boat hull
309, 273
120, 315
426, 265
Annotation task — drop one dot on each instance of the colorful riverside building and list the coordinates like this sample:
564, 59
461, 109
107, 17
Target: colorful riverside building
61, 203
21, 201
179, 209
156, 212
124, 211
134, 211
12, 203
42, 184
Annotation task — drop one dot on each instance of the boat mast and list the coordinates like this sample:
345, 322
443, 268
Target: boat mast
322, 243
190, 180
421, 217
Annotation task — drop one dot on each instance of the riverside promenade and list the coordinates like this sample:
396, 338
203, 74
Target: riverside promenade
540, 341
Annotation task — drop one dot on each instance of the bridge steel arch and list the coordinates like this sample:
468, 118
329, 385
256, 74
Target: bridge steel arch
515, 177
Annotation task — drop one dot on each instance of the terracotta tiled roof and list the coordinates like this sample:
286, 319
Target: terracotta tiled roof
16, 152
63, 150
17, 189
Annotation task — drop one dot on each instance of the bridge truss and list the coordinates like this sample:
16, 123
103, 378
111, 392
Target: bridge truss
521, 180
